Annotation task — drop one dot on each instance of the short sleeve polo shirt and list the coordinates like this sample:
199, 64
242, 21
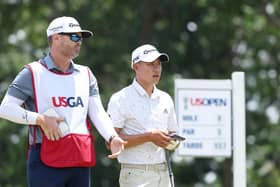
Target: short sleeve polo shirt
132, 110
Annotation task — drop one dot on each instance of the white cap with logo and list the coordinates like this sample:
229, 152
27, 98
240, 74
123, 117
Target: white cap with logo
147, 53
66, 25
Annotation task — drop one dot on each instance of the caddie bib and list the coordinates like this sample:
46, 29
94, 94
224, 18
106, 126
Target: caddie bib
67, 95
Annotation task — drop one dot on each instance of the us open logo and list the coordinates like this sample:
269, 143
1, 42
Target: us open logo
199, 101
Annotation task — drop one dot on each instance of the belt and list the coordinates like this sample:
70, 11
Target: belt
146, 167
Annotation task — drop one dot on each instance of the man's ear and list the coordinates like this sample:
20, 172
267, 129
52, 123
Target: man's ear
135, 66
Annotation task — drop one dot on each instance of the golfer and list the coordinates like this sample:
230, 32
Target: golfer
144, 116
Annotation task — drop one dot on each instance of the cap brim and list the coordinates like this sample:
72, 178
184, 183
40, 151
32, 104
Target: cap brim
163, 57
86, 33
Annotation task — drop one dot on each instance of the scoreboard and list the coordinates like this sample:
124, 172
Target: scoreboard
203, 110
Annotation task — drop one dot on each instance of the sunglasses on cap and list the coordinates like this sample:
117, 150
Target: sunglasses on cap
73, 36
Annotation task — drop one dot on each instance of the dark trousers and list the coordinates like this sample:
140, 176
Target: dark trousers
41, 175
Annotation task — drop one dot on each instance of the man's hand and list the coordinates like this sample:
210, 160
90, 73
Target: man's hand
50, 126
160, 138
116, 146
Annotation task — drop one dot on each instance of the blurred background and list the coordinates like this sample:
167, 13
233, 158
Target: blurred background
205, 39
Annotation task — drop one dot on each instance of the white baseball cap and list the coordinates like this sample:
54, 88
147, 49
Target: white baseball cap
66, 25
147, 53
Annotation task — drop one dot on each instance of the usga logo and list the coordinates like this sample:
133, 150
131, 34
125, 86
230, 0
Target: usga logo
67, 101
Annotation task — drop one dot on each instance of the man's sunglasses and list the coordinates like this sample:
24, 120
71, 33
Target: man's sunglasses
73, 37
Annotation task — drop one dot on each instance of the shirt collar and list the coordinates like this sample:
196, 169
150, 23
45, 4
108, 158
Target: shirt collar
47, 60
141, 91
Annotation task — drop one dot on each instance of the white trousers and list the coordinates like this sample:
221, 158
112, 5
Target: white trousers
144, 176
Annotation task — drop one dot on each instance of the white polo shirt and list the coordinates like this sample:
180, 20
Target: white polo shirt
135, 112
